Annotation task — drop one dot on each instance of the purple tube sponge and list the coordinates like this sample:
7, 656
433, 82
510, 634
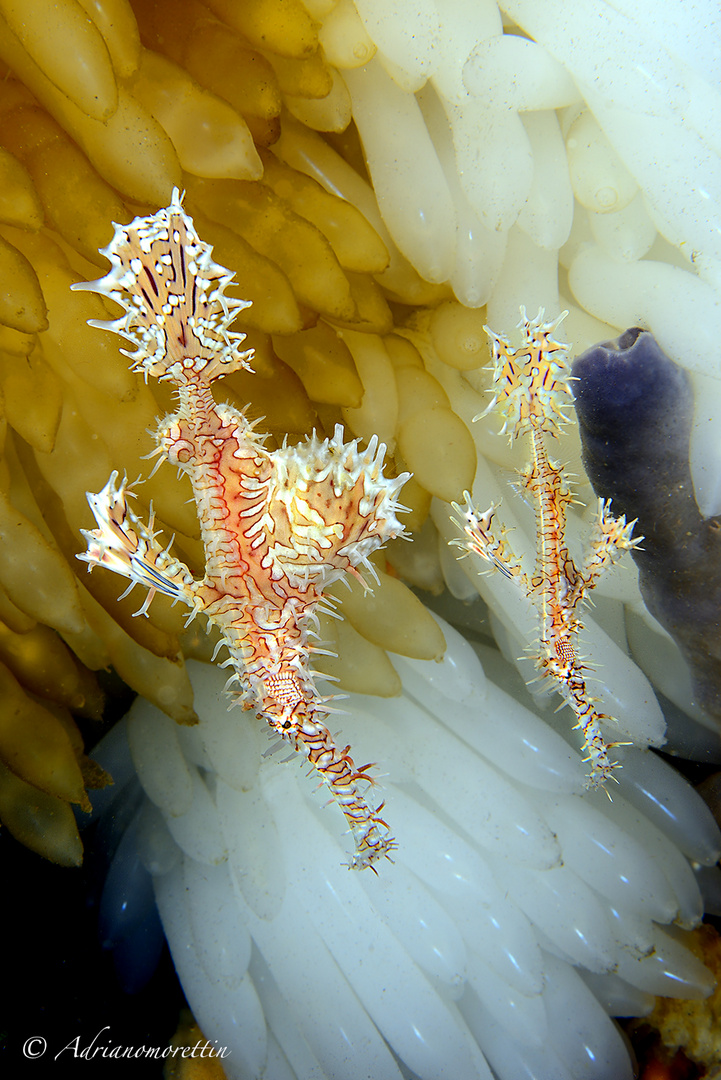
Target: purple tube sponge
635, 408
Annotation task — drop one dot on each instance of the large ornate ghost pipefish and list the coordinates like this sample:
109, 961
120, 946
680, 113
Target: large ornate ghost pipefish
277, 526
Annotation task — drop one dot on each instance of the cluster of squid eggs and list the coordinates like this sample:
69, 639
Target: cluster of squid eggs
322, 328
318, 324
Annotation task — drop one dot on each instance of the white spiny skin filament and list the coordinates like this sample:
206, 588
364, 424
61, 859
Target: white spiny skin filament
531, 390
277, 526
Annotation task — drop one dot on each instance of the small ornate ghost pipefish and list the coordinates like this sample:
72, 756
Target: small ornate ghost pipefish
530, 391
277, 526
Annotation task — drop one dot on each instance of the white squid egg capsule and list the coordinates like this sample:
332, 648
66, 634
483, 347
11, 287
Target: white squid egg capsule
601, 182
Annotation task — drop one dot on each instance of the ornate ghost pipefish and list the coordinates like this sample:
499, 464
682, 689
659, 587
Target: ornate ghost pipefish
277, 526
